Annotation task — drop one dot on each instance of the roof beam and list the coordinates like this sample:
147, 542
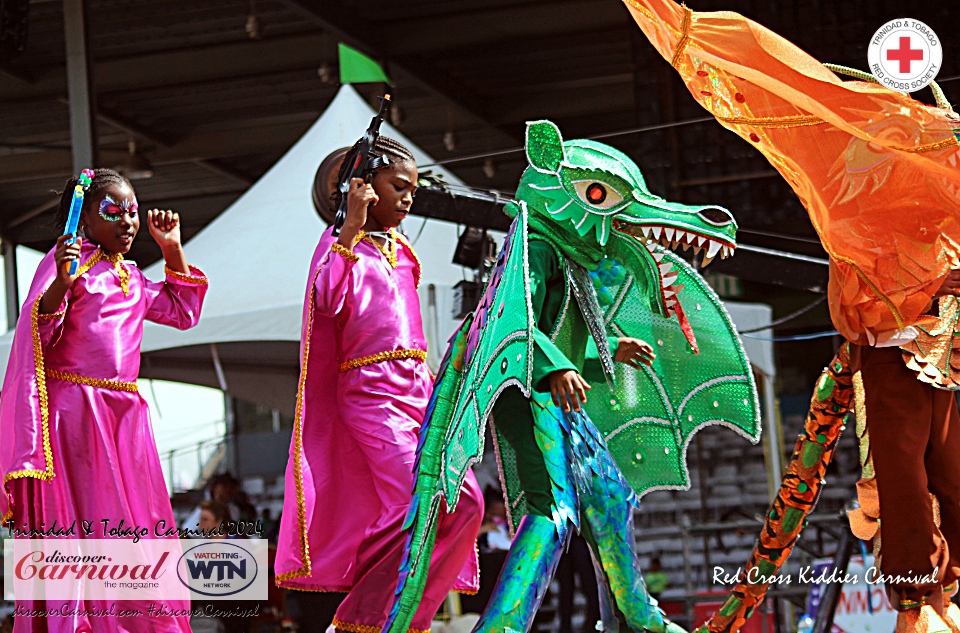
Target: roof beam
336, 19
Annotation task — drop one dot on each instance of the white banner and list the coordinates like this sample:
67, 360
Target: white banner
158, 570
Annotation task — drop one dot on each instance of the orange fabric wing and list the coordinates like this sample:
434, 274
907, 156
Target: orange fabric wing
876, 170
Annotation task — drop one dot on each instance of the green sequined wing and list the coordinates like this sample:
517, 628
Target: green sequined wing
652, 413
499, 354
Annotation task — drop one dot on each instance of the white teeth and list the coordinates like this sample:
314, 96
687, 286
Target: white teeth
712, 250
726, 252
691, 238
650, 246
658, 257
668, 233
700, 240
656, 232
667, 293
645, 230
665, 268
669, 279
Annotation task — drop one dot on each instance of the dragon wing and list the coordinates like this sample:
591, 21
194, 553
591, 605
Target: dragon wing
490, 352
650, 417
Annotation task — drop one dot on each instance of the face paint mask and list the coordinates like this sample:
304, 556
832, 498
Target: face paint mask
111, 210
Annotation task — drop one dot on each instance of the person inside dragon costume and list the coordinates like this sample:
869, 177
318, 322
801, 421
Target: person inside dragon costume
583, 279
877, 172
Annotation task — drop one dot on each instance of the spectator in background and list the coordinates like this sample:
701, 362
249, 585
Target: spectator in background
657, 580
213, 513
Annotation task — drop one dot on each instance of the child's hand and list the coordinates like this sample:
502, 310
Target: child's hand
634, 352
164, 227
65, 254
950, 286
568, 389
359, 199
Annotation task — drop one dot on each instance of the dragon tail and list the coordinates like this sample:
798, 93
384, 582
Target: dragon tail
798, 494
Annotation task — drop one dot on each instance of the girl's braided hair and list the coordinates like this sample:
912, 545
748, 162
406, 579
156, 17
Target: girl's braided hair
102, 178
384, 146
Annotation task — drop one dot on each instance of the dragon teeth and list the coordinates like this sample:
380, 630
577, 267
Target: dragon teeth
700, 240
691, 238
706, 260
658, 257
713, 249
667, 293
645, 230
726, 252
669, 279
650, 246
656, 232
669, 233
665, 268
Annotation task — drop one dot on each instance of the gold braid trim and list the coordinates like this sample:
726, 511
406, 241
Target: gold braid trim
116, 259
772, 121
196, 276
417, 268
366, 628
396, 354
647, 13
103, 383
929, 147
389, 251
298, 447
53, 316
345, 252
90, 263
40, 376
684, 36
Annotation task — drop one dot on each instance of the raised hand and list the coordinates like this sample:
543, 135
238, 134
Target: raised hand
164, 227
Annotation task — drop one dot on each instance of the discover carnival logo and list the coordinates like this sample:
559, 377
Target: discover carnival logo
218, 568
905, 55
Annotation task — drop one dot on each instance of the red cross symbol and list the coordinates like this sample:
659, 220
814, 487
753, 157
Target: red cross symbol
905, 54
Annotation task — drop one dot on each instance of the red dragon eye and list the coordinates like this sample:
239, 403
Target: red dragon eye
596, 193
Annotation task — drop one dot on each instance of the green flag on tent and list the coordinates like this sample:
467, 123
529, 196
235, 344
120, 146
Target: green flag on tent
357, 68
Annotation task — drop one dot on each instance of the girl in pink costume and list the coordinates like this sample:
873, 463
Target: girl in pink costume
76, 443
364, 387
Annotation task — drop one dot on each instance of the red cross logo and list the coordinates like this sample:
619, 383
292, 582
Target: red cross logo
905, 55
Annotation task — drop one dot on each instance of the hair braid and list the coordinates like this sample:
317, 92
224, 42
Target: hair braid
384, 145
102, 178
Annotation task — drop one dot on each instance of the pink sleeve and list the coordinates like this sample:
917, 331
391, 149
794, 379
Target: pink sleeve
177, 300
332, 280
50, 326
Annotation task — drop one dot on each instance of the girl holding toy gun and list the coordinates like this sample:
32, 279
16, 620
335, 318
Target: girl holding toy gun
76, 443
364, 388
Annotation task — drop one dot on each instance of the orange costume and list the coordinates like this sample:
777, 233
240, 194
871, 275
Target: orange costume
879, 175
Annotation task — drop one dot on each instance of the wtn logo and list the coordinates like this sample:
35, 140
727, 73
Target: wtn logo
217, 568
225, 569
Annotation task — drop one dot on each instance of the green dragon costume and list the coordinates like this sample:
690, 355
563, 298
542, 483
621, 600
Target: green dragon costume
584, 260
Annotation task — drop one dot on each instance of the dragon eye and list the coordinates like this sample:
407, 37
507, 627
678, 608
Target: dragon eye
597, 194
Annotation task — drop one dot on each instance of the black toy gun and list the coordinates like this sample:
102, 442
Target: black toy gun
363, 162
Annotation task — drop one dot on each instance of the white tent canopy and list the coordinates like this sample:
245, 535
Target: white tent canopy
257, 253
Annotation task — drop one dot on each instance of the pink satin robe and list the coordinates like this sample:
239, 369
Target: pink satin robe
98, 459
350, 474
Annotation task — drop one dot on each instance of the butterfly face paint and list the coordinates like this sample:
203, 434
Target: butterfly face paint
111, 210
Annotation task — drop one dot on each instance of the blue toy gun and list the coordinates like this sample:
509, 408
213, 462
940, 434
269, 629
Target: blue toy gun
363, 162
73, 217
